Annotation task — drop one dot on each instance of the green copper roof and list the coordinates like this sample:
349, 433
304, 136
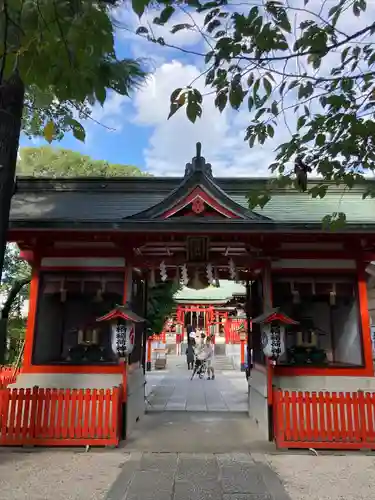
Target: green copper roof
71, 202
211, 294
301, 207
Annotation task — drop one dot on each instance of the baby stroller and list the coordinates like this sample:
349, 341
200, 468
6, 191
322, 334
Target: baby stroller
200, 368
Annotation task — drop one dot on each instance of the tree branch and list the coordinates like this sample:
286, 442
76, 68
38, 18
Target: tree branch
5, 40
14, 291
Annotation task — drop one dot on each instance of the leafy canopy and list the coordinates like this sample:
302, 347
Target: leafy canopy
64, 52
267, 57
55, 162
161, 304
14, 292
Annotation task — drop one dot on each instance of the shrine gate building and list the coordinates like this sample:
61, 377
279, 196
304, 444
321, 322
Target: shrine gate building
93, 242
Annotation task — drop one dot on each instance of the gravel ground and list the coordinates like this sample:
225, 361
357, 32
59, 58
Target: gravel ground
58, 474
333, 477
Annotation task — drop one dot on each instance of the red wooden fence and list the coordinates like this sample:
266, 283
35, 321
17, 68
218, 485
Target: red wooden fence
59, 417
8, 375
331, 420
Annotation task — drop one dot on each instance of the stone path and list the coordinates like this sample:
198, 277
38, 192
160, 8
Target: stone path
172, 476
197, 432
173, 390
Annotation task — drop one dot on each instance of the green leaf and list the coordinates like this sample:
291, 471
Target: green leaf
194, 108
221, 101
320, 140
101, 94
267, 86
319, 191
274, 108
78, 130
142, 30
42, 99
270, 130
285, 23
184, 26
139, 6
49, 131
166, 14
193, 111
253, 14
175, 94
236, 96
301, 122
335, 221
250, 103
258, 199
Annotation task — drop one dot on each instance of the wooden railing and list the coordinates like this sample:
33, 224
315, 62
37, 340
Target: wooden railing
60, 417
330, 420
8, 375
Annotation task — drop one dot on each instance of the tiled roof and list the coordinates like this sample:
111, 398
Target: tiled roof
115, 200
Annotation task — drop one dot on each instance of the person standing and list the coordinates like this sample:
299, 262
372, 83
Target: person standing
190, 354
209, 351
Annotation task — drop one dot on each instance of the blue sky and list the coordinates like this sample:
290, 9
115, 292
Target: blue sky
136, 130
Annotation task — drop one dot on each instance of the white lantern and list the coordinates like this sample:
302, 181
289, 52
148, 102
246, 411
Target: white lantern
122, 337
123, 323
273, 340
272, 324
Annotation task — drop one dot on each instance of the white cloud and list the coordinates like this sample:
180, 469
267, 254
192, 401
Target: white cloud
172, 142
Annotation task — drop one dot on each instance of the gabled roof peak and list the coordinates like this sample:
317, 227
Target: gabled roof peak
198, 164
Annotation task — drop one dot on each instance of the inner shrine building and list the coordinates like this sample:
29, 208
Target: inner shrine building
93, 242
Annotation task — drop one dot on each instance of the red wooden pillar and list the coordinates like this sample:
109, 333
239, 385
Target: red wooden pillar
31, 319
149, 353
227, 328
364, 316
126, 297
242, 352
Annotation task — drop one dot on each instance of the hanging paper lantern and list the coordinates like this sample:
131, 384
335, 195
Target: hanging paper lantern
122, 322
163, 271
232, 269
209, 272
272, 325
184, 273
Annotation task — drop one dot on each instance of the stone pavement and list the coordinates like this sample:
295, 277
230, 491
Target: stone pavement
197, 432
172, 476
336, 476
173, 390
55, 474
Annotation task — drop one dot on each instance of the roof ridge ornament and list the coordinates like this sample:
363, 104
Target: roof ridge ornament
198, 164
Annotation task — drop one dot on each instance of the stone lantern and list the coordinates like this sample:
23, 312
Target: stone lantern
272, 324
122, 322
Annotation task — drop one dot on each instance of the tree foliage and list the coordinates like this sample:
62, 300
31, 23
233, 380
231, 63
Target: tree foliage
14, 291
160, 304
64, 53
267, 57
54, 162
